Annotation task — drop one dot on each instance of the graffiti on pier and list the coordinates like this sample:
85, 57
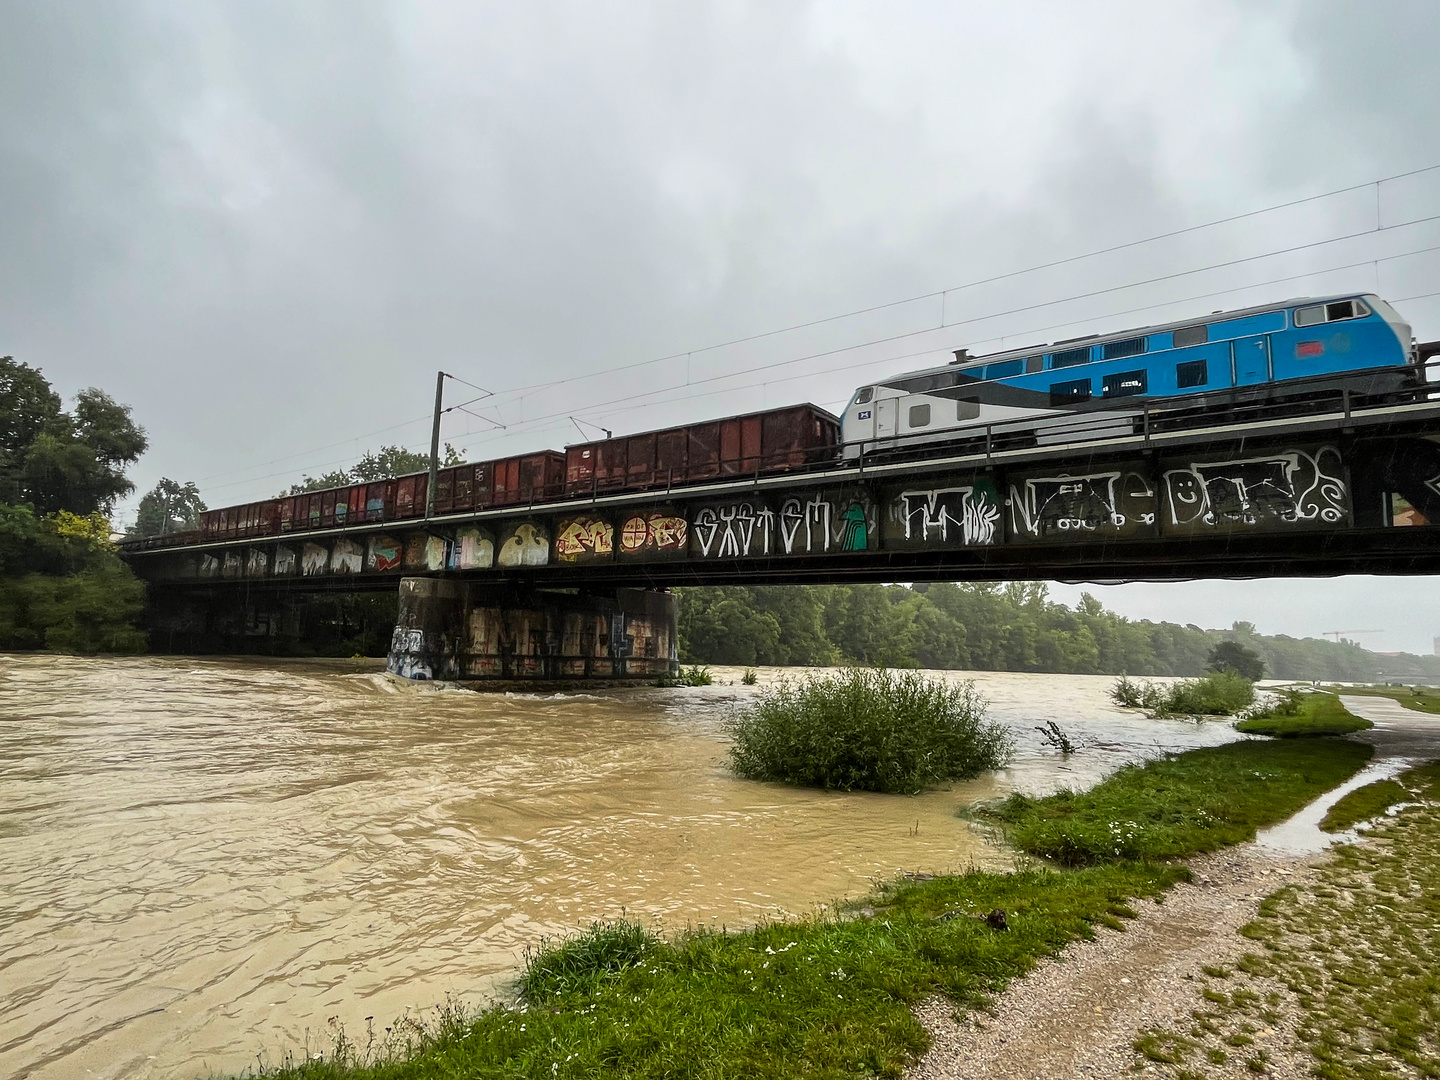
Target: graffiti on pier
313, 560
523, 544
384, 553
654, 533
286, 562
584, 539
1286, 489
347, 557
209, 566
256, 563
233, 566
474, 549
733, 530
1087, 506
950, 514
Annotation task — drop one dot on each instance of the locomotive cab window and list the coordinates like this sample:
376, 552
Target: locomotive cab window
1332, 312
864, 395
1191, 335
919, 416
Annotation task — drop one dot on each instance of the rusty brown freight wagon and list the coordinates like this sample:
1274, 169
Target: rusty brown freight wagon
775, 441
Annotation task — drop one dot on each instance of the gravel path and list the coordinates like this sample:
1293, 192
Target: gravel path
1078, 1015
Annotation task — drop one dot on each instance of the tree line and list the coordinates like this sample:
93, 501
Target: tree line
989, 627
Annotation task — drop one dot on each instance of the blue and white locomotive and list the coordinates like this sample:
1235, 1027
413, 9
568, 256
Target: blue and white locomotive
1269, 353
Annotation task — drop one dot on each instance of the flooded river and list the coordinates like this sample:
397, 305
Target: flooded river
206, 861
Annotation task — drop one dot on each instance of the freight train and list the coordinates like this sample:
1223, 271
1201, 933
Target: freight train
1293, 352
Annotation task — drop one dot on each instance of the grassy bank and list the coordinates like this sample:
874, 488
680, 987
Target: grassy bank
1181, 805
1419, 698
1303, 715
832, 996
1346, 967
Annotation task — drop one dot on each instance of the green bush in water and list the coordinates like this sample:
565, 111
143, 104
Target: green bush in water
1222, 693
867, 730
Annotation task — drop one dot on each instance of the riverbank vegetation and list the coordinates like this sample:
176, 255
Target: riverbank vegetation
1364, 804
988, 627
832, 995
1220, 693
62, 585
1301, 714
1180, 805
867, 729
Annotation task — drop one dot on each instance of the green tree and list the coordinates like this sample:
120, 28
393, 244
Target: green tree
1235, 658
168, 507
77, 460
27, 404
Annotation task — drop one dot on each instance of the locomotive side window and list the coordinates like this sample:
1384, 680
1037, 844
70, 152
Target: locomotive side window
1115, 350
1191, 335
919, 416
1124, 383
864, 395
1310, 316
967, 408
1034, 364
1068, 393
1071, 357
1191, 373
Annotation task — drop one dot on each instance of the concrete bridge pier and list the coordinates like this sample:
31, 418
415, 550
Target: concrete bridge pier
470, 632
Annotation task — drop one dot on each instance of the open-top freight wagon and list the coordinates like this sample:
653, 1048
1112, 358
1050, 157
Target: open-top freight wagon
776, 441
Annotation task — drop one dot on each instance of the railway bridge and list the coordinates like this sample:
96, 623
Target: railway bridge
578, 587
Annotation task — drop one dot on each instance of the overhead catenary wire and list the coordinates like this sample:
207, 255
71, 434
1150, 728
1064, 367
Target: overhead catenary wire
892, 358
762, 335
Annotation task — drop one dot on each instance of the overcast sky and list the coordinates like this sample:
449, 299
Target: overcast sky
266, 226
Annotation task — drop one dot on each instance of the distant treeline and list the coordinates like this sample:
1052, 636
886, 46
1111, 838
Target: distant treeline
986, 627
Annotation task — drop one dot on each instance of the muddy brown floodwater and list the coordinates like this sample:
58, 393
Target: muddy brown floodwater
204, 862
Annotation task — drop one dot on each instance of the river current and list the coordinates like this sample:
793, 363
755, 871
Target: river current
208, 863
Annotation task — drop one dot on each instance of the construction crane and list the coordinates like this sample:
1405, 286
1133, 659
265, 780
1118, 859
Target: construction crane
1339, 634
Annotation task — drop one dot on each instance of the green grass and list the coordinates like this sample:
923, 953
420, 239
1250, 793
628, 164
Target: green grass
1303, 715
866, 729
825, 997
832, 997
1419, 698
1181, 805
1363, 804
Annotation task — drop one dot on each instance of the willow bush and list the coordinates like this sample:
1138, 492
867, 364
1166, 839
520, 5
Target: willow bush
867, 730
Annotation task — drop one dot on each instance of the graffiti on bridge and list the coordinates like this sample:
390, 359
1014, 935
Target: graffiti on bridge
819, 524
1287, 489
1117, 502
953, 513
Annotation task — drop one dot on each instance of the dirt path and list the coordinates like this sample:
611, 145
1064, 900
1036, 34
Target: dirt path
1078, 1015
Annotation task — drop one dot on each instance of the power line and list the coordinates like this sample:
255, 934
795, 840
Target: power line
890, 339
1068, 260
